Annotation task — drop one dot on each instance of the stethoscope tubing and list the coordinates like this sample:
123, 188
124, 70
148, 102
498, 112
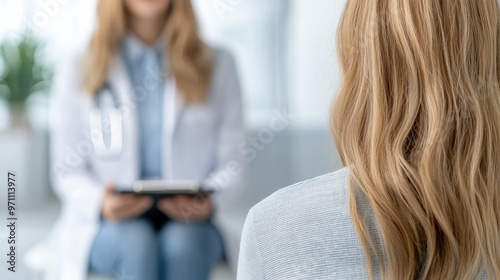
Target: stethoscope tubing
115, 128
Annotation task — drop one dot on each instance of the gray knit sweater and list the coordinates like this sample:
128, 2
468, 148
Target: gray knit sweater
305, 232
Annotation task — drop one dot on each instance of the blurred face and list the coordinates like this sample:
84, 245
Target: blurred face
147, 9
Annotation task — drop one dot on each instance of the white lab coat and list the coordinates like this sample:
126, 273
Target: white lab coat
200, 143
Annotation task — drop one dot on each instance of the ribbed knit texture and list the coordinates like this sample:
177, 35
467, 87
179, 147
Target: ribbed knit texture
305, 232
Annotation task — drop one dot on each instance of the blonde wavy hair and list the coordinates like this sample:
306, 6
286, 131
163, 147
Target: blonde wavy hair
417, 122
189, 59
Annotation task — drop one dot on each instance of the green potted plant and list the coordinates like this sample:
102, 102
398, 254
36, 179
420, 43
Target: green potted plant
23, 73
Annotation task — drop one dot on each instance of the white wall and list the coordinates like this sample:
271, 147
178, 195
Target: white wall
314, 72
286, 50
255, 32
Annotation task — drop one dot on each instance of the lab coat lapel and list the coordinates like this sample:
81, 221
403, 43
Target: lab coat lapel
173, 108
119, 80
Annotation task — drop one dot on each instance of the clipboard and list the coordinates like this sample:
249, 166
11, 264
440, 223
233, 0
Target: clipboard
163, 188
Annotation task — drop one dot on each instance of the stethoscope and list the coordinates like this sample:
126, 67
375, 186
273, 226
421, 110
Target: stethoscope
115, 125
115, 147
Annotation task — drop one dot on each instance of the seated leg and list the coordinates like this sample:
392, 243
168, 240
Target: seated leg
189, 251
126, 250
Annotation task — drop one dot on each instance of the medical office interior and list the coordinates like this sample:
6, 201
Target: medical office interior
285, 55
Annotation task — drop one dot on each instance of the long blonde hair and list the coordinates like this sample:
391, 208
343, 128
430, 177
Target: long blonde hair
417, 122
189, 58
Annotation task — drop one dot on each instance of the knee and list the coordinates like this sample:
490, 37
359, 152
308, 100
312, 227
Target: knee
185, 241
135, 238
125, 247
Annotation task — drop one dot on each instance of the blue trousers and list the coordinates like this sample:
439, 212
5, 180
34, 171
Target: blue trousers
135, 250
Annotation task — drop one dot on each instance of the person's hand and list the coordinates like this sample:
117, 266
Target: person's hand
117, 207
187, 208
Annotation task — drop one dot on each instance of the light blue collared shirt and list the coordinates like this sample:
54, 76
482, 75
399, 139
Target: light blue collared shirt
146, 70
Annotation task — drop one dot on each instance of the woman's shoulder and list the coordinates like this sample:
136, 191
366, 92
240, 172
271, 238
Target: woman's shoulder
329, 186
70, 68
69, 74
323, 200
221, 55
225, 85
74, 60
306, 229
224, 62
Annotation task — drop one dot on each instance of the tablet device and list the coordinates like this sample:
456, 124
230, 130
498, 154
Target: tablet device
163, 188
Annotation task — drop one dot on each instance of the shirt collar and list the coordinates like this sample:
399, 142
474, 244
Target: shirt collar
135, 49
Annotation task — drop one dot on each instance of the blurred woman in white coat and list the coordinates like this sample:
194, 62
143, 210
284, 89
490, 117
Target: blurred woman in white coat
181, 119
